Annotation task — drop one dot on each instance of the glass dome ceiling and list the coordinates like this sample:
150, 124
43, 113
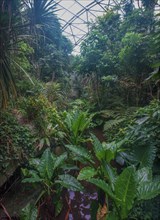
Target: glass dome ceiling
76, 15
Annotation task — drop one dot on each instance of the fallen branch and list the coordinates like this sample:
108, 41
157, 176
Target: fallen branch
5, 211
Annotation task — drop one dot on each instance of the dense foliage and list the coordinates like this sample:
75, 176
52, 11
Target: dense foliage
16, 140
118, 54
41, 49
94, 121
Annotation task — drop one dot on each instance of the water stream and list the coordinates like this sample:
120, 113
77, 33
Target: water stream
80, 203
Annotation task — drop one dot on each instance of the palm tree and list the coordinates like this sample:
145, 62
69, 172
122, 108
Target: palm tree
31, 16
7, 85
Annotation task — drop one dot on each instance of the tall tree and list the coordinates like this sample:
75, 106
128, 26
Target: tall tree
34, 18
119, 47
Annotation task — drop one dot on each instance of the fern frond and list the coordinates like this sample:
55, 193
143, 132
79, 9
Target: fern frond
113, 123
116, 117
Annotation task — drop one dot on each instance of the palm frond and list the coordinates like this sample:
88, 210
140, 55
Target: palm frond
7, 84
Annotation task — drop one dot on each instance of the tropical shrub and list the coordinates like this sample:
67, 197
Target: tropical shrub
44, 116
50, 172
17, 142
142, 138
54, 93
115, 120
76, 124
121, 191
117, 53
26, 87
29, 212
40, 44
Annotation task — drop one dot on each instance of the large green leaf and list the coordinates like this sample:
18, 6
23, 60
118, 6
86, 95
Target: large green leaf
112, 216
144, 175
144, 154
109, 173
86, 121
29, 212
100, 152
148, 190
102, 185
78, 121
68, 121
111, 149
125, 190
32, 177
58, 209
80, 151
46, 165
70, 182
60, 160
86, 173
97, 146
35, 162
69, 167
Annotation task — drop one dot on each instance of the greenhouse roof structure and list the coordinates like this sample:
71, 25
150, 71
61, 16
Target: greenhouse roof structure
76, 15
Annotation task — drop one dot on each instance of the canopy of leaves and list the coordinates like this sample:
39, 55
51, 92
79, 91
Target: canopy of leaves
41, 32
119, 47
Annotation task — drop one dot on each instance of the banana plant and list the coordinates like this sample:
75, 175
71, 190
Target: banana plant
122, 191
50, 171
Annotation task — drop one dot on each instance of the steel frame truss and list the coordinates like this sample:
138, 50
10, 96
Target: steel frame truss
77, 25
